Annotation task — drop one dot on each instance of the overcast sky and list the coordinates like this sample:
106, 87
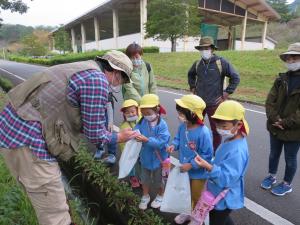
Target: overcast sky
51, 12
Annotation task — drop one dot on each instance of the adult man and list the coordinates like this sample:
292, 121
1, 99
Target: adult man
206, 79
283, 113
43, 121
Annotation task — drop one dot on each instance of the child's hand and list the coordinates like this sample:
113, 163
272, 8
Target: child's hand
141, 138
110, 127
202, 163
170, 148
185, 167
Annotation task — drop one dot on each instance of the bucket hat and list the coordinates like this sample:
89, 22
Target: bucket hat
206, 41
294, 49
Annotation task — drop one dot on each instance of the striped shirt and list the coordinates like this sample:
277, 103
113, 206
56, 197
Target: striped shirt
87, 90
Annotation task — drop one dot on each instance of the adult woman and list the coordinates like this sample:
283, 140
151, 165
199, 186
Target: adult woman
143, 80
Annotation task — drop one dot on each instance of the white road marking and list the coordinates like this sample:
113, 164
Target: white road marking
174, 93
265, 213
249, 204
22, 79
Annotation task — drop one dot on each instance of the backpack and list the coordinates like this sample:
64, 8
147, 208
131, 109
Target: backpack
148, 67
220, 68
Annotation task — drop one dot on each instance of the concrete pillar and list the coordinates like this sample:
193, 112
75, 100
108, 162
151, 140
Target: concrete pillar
243, 37
264, 36
116, 26
97, 32
143, 20
83, 37
74, 47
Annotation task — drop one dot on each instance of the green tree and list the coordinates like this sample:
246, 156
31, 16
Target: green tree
172, 19
282, 7
62, 40
32, 46
13, 6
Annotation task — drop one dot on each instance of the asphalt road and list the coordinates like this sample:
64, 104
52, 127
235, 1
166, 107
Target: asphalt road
262, 208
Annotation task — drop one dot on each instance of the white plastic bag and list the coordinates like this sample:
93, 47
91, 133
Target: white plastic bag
177, 196
129, 157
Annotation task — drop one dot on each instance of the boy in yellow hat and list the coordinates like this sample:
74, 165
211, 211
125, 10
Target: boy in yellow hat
229, 166
155, 136
193, 138
131, 116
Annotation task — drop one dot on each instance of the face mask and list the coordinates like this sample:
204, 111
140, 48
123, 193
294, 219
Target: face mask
226, 134
114, 89
132, 118
151, 118
182, 119
293, 66
137, 62
206, 54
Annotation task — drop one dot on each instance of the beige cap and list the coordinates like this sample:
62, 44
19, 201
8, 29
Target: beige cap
118, 61
294, 49
206, 41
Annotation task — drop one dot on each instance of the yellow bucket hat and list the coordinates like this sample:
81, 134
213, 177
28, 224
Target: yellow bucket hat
151, 101
129, 103
193, 103
231, 110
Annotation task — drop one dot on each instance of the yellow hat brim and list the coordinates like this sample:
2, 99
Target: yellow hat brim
181, 104
148, 106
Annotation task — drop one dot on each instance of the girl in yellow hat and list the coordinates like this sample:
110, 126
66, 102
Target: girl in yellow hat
227, 171
193, 138
155, 136
131, 116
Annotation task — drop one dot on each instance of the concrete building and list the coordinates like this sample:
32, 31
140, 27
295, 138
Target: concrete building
117, 23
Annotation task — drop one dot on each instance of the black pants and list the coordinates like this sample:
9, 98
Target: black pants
220, 217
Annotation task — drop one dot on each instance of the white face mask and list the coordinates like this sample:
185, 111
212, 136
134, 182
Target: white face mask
226, 134
293, 66
206, 54
151, 118
114, 89
182, 119
132, 118
137, 62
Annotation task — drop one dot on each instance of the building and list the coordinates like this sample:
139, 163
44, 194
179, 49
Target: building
115, 24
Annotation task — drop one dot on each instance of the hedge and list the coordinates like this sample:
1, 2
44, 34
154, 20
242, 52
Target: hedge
68, 58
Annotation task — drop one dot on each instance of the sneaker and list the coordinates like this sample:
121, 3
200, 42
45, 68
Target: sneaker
182, 218
134, 182
268, 182
281, 189
98, 154
144, 202
157, 202
110, 159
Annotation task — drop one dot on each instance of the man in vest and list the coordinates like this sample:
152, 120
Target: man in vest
206, 79
44, 119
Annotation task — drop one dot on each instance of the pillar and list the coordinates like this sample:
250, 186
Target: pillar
243, 38
264, 36
97, 32
116, 26
83, 37
143, 20
74, 47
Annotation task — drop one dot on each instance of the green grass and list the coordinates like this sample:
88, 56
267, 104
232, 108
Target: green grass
5, 84
258, 70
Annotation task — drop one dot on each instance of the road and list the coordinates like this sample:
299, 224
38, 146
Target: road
262, 208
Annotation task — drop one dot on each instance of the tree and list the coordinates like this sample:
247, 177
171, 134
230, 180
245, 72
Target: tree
13, 6
282, 7
32, 46
172, 19
62, 40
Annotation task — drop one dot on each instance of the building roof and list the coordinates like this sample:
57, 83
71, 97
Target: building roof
232, 12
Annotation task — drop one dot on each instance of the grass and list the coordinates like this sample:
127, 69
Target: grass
257, 69
5, 84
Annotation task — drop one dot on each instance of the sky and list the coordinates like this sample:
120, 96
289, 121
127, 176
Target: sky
51, 12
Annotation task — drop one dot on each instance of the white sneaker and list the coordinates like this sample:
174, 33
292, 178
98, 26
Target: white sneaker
157, 202
182, 218
144, 202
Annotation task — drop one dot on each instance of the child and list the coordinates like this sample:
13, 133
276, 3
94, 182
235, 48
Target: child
228, 169
155, 136
112, 148
131, 117
193, 138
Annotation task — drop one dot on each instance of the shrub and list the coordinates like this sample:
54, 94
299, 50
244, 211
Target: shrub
5, 84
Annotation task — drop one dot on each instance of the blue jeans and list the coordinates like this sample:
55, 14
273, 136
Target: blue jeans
290, 155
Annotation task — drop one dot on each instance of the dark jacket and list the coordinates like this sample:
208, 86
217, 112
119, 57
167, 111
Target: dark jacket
285, 104
209, 80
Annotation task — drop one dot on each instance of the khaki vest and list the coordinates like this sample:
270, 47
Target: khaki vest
43, 98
